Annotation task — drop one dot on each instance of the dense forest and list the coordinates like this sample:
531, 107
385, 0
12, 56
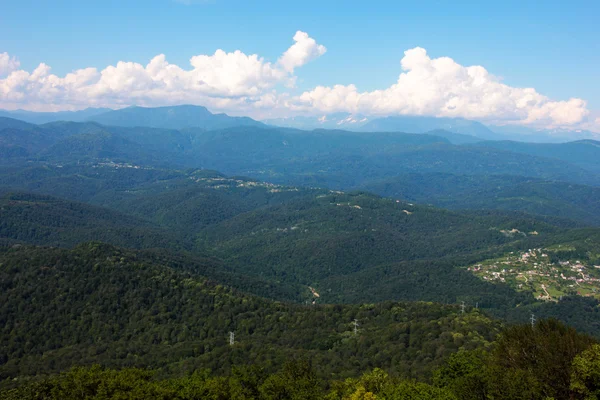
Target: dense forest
178, 254
542, 361
500, 192
97, 303
276, 241
330, 158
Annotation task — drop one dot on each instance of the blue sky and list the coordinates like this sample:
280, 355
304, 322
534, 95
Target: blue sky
554, 48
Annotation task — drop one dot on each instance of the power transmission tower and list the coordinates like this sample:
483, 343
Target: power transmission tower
477, 306
231, 338
532, 320
355, 323
462, 307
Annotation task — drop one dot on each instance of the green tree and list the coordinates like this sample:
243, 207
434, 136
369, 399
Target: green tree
538, 357
464, 374
585, 375
297, 381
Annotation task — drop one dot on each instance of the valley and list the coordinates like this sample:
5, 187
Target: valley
234, 200
146, 246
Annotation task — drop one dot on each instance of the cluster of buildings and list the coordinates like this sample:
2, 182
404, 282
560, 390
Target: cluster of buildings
533, 270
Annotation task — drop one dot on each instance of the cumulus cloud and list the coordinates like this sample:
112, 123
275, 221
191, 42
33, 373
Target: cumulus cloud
304, 50
7, 64
220, 78
441, 87
239, 83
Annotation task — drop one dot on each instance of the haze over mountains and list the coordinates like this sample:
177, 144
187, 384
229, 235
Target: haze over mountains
259, 200
44, 117
379, 161
422, 124
186, 116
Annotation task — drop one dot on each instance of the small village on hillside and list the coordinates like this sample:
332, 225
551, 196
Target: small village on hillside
547, 273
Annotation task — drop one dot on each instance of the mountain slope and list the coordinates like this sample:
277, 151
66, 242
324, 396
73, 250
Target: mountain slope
199, 199
100, 304
583, 153
185, 200
44, 117
46, 220
534, 196
175, 117
335, 159
107, 146
14, 123
407, 124
331, 237
33, 140
339, 170
19, 139
339, 120
528, 134
454, 138
417, 124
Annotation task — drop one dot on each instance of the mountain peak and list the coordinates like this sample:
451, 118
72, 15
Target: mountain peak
171, 117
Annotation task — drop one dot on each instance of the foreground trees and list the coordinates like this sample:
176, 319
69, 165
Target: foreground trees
546, 361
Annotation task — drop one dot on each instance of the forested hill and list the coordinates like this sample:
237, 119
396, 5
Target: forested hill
502, 192
585, 153
349, 247
330, 158
545, 360
194, 338
175, 117
316, 239
147, 191
47, 220
98, 303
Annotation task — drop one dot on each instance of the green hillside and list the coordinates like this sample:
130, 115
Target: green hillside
104, 305
39, 219
350, 247
501, 192
329, 158
97, 303
584, 153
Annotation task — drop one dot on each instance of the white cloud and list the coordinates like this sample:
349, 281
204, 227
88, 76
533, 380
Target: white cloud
212, 79
442, 87
7, 64
304, 50
238, 83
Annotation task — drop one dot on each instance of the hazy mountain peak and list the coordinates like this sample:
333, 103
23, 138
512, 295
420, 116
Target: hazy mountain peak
34, 117
171, 117
340, 120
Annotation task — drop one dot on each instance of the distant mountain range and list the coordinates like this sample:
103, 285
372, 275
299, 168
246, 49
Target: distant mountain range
407, 124
414, 124
189, 116
526, 134
420, 124
332, 158
331, 121
45, 117
176, 117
